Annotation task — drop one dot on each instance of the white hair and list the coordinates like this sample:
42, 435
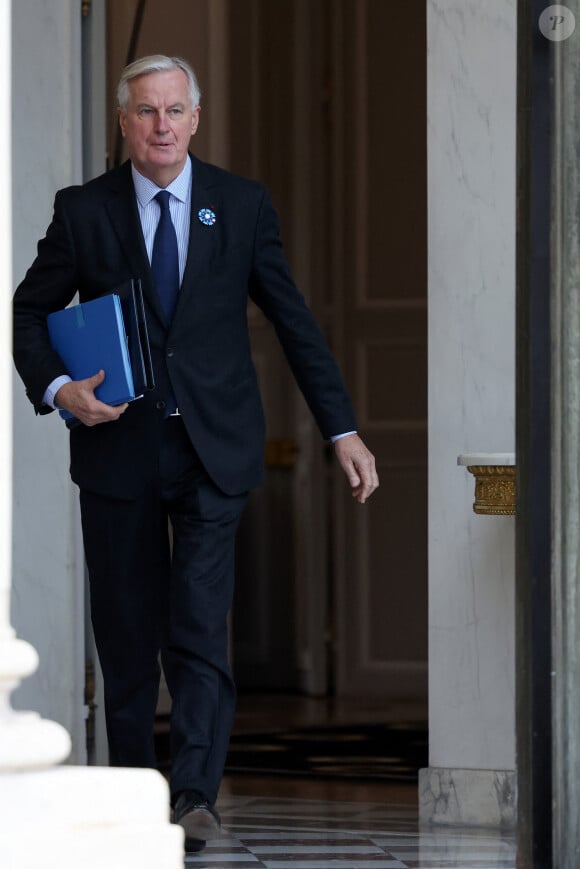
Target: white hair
156, 63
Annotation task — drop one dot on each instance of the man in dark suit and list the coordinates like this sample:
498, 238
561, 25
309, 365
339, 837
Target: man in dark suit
201, 240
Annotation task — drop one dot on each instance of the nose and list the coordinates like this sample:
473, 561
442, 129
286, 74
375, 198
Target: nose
162, 124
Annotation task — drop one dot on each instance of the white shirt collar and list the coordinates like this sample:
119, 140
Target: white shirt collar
146, 190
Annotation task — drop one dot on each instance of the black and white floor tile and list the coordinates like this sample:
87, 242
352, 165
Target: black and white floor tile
309, 834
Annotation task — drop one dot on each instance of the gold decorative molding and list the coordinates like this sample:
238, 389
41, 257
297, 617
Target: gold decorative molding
495, 489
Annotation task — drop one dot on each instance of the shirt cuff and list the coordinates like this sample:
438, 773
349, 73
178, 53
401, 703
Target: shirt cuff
337, 437
52, 389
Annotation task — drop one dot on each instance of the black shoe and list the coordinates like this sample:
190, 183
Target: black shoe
192, 846
198, 818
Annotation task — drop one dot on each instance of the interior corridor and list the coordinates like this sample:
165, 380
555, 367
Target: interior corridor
278, 833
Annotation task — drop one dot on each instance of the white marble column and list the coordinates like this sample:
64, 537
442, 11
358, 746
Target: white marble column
60, 817
471, 194
26, 740
47, 605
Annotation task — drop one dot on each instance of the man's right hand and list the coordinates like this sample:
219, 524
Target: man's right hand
78, 397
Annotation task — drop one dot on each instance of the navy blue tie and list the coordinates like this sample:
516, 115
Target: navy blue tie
165, 258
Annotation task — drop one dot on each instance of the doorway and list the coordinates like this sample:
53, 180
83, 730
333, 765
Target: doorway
325, 102
327, 106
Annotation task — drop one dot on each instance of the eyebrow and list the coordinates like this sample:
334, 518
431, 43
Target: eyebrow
146, 105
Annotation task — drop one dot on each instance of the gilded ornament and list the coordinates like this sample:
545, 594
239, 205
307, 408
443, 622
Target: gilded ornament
495, 489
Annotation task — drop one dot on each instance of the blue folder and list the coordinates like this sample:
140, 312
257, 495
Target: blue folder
91, 336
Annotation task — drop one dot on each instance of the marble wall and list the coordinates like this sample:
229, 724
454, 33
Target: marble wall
47, 603
471, 192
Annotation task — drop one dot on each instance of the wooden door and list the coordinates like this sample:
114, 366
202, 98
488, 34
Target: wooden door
332, 109
324, 101
277, 130
379, 285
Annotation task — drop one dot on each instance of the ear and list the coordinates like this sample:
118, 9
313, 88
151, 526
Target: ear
195, 120
122, 120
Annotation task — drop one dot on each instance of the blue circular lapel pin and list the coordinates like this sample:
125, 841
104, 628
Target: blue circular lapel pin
207, 216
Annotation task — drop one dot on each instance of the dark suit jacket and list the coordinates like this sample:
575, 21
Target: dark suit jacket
95, 243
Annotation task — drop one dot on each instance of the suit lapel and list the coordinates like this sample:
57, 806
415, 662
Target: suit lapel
202, 238
123, 213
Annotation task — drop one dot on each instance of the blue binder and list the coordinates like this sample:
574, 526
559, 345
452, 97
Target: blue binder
91, 336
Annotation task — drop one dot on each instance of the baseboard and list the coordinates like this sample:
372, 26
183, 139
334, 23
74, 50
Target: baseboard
467, 797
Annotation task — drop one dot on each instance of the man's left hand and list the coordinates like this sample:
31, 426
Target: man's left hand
358, 463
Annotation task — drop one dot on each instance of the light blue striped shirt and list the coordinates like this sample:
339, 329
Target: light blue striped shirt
179, 208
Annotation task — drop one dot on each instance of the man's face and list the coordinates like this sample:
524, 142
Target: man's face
158, 124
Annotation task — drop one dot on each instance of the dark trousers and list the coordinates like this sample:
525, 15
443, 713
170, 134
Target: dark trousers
148, 598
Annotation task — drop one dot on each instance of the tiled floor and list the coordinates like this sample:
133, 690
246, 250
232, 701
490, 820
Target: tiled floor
274, 833
314, 823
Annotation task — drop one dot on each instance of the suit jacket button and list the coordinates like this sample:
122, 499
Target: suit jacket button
160, 405
169, 351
